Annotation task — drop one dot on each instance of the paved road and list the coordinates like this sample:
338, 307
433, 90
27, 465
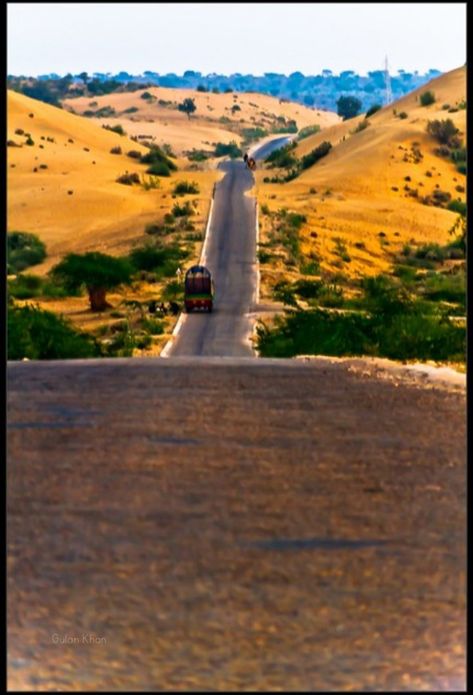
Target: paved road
231, 258
244, 524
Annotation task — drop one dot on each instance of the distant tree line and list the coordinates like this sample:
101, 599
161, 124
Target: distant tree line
317, 91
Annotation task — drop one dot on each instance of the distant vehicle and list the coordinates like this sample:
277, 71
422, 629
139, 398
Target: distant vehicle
198, 289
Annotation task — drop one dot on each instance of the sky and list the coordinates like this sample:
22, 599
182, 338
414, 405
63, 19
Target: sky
234, 37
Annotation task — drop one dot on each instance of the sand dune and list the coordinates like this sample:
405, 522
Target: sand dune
99, 213
350, 193
168, 125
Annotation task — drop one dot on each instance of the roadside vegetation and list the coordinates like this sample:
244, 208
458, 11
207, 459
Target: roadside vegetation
291, 167
128, 325
415, 312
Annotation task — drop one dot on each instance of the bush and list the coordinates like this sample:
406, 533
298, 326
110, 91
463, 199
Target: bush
41, 335
184, 210
147, 96
432, 252
156, 155
427, 98
158, 169
115, 129
408, 334
153, 326
457, 206
134, 154
307, 131
116, 150
362, 125
283, 158
228, 149
312, 157
197, 156
402, 115
25, 286
443, 131
373, 109
29, 140
128, 179
183, 187
30, 286
24, 250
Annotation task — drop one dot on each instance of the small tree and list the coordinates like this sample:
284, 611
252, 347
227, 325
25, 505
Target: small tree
187, 106
427, 98
97, 271
348, 107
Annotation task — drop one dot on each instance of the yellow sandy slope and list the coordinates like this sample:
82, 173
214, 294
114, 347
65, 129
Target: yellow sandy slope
351, 193
99, 214
168, 125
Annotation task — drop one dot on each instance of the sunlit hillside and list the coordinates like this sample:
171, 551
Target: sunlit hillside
218, 117
366, 193
62, 186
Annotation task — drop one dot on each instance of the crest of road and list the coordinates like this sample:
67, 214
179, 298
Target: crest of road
230, 255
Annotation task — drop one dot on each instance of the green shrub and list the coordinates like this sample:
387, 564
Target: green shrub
308, 289
184, 210
24, 250
155, 155
134, 154
41, 335
427, 98
362, 125
432, 252
312, 157
457, 206
406, 335
184, 187
115, 129
402, 115
448, 288
307, 131
228, 149
158, 169
116, 150
153, 326
372, 110
197, 156
283, 157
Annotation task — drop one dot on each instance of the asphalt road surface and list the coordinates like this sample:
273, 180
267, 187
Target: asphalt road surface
242, 524
231, 258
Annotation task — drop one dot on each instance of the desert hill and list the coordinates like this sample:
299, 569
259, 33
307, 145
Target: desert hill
62, 186
366, 192
218, 117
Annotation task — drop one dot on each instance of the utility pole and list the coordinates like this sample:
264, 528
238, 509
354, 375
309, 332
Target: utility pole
388, 95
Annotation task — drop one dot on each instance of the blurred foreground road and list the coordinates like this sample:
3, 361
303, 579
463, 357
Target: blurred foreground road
194, 524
